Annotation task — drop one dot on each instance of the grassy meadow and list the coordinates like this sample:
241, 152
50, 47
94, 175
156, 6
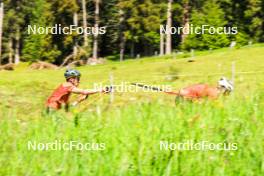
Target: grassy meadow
134, 124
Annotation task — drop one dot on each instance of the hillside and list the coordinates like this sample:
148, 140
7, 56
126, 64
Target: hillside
31, 87
129, 136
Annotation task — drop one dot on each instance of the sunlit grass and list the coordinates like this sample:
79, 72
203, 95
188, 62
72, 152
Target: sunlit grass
135, 123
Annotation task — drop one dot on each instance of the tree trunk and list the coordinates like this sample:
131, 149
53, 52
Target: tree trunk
10, 45
185, 20
66, 60
17, 48
96, 26
161, 44
1, 28
132, 50
122, 47
75, 47
85, 35
122, 36
168, 27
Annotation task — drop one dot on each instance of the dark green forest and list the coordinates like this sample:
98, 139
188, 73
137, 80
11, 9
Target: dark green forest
132, 27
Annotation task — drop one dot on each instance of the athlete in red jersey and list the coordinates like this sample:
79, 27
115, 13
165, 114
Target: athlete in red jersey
61, 95
199, 91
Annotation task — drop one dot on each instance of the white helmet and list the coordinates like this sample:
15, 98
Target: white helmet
225, 83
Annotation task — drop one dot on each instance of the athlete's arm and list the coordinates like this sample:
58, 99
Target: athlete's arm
86, 92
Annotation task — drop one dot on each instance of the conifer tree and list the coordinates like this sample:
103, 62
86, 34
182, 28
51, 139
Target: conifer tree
40, 46
213, 16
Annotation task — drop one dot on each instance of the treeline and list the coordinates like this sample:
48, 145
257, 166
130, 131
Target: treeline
132, 27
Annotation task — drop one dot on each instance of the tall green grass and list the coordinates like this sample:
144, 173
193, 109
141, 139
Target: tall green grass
133, 126
132, 137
